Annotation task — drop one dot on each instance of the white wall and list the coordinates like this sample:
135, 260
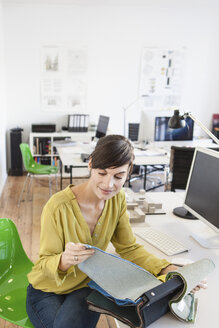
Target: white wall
3, 175
114, 37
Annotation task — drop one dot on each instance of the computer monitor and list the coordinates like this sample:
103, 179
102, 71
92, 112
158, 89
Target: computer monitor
202, 192
163, 133
102, 126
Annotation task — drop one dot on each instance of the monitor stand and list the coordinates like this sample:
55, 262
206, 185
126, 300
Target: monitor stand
183, 213
212, 242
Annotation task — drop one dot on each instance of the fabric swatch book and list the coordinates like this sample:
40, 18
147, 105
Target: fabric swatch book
136, 297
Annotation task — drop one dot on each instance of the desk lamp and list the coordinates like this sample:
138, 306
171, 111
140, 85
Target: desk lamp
125, 109
177, 121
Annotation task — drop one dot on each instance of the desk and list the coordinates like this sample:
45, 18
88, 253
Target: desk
207, 313
163, 148
71, 156
202, 142
152, 156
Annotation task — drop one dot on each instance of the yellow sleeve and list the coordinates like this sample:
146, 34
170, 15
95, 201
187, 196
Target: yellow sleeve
125, 244
52, 246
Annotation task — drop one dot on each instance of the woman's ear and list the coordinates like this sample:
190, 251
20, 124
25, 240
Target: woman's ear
90, 164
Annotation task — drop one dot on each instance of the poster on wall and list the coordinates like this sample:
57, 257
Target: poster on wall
161, 77
63, 79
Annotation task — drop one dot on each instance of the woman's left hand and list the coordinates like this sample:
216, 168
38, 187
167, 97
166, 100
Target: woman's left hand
202, 284
172, 267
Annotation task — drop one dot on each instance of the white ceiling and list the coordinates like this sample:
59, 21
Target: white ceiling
145, 3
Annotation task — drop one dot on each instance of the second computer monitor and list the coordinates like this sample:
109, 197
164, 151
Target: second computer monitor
202, 194
164, 133
102, 126
202, 191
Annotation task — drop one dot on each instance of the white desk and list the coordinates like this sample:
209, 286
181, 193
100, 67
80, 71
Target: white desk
202, 142
71, 156
207, 313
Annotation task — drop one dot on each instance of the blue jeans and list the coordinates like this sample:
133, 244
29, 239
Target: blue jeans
49, 310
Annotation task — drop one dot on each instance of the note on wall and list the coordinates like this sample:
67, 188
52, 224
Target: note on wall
161, 77
63, 78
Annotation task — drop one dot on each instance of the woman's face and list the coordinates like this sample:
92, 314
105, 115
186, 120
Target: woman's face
108, 182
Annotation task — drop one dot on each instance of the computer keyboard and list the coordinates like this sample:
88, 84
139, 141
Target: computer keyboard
165, 243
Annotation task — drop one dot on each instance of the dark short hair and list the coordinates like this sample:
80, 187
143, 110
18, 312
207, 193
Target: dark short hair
112, 151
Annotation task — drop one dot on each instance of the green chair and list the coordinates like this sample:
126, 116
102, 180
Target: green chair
14, 266
34, 168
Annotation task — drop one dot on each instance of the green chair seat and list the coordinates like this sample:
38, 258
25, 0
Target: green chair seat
36, 168
14, 266
33, 167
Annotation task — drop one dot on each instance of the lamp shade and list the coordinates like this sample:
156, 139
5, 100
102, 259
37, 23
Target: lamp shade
176, 121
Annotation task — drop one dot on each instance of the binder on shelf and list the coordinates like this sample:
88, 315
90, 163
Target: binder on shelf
54, 162
215, 124
37, 146
86, 123
78, 122
42, 146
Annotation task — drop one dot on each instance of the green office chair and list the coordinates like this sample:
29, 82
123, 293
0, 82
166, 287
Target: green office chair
34, 168
14, 266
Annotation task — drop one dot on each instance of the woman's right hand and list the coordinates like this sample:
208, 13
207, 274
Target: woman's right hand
74, 254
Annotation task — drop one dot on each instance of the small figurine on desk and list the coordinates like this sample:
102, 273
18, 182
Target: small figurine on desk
136, 215
139, 205
149, 207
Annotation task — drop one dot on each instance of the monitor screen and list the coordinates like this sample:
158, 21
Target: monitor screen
102, 126
202, 190
163, 133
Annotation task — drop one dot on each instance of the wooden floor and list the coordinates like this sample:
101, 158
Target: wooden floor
27, 219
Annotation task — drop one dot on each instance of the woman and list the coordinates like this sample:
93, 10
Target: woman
92, 213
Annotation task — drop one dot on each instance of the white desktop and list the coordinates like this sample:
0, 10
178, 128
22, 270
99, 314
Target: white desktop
71, 156
182, 230
201, 198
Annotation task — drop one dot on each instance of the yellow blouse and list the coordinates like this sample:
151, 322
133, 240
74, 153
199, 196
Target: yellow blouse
63, 222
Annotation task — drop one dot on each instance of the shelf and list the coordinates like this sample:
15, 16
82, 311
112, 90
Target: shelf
41, 145
42, 155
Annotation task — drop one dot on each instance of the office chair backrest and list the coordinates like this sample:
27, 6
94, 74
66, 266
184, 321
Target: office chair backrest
27, 156
14, 266
133, 131
12, 254
180, 163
